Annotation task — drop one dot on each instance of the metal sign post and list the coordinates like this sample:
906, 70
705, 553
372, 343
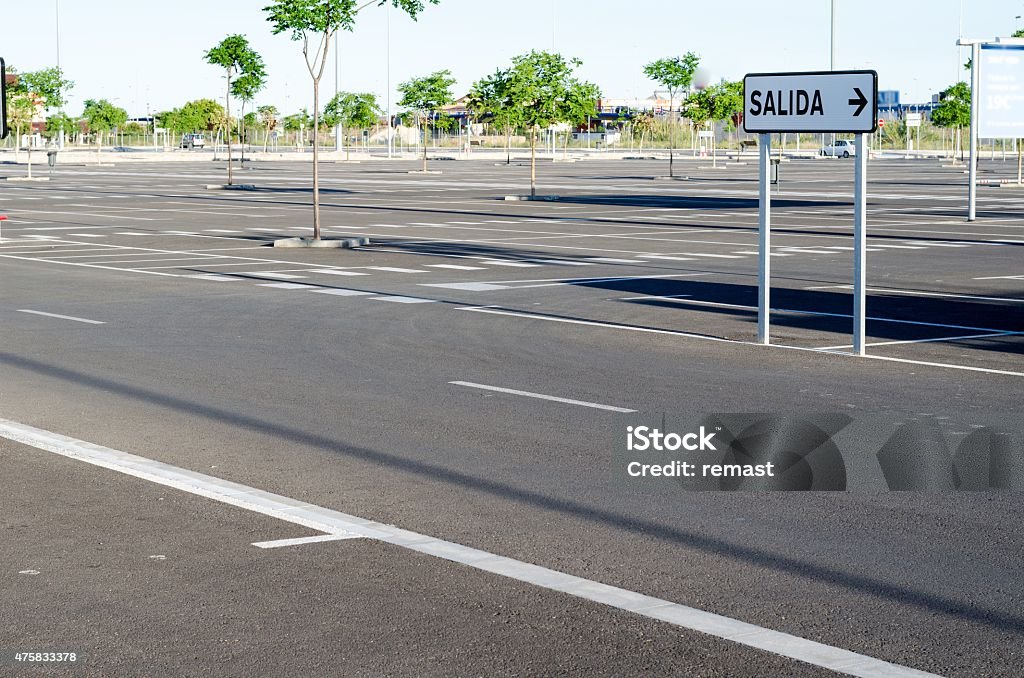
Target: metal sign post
972, 172
860, 243
3, 100
764, 236
816, 102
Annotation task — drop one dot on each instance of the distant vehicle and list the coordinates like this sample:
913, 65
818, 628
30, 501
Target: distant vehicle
840, 149
193, 141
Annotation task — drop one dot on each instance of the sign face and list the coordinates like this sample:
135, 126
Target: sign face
1001, 92
3, 99
881, 122
913, 119
824, 101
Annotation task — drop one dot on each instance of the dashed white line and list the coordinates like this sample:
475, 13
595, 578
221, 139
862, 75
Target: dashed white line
61, 317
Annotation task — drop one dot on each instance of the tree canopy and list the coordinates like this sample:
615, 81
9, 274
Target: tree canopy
103, 116
352, 110
955, 108
673, 73
48, 84
428, 94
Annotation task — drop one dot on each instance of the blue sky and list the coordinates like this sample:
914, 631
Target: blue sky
141, 53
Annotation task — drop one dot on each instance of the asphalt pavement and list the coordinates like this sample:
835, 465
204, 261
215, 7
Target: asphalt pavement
467, 378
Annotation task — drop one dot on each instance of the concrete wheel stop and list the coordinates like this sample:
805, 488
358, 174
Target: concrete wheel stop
230, 187
532, 198
323, 243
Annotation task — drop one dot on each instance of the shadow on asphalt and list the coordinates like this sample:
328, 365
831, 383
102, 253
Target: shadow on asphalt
765, 560
922, 317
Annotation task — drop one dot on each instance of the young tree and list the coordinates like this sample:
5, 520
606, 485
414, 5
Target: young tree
544, 92
50, 87
643, 123
21, 108
674, 74
490, 98
246, 87
348, 109
320, 20
426, 96
268, 118
236, 57
103, 117
60, 124
954, 111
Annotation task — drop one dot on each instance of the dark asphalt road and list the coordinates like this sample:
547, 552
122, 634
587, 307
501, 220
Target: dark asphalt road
326, 377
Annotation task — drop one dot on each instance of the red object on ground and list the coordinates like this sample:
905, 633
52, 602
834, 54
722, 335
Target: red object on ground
3, 217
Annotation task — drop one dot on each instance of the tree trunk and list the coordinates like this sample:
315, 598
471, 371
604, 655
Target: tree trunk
642, 135
671, 137
241, 134
533, 163
316, 159
508, 145
227, 126
424, 144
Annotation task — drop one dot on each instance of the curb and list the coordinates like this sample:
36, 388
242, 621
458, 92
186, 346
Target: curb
340, 243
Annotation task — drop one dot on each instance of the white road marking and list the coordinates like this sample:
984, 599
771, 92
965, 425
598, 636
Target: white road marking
456, 267
288, 286
300, 541
541, 396
334, 522
397, 299
513, 264
562, 262
272, 274
665, 257
343, 293
391, 269
62, 317
921, 293
469, 286
934, 340
331, 271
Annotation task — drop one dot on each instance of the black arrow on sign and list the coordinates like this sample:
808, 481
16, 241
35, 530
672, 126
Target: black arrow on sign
859, 102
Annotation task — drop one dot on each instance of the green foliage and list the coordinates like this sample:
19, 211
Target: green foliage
56, 123
49, 84
954, 110
297, 121
352, 110
268, 117
103, 116
201, 115
673, 73
491, 98
543, 91
302, 18
428, 94
718, 102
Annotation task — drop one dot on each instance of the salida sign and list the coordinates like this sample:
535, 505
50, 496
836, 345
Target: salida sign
829, 101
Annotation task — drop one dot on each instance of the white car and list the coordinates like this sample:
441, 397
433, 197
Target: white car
193, 141
840, 149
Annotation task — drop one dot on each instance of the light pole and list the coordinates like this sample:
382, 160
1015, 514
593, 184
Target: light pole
390, 132
337, 125
56, 17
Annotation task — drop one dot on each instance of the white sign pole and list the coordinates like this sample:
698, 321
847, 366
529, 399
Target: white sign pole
860, 246
972, 191
764, 240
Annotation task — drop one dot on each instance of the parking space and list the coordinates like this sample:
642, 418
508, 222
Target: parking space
616, 248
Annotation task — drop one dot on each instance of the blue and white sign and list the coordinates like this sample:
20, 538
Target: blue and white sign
1001, 89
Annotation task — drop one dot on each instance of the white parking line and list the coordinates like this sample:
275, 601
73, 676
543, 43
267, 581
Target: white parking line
541, 396
62, 317
334, 522
300, 541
